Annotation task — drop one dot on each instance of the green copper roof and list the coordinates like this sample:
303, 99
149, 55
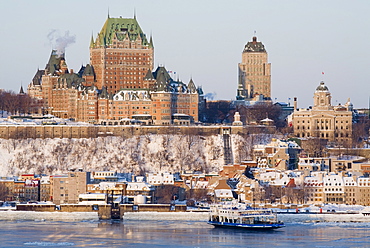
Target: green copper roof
87, 70
72, 80
322, 87
254, 46
121, 28
149, 75
37, 78
161, 75
54, 62
191, 86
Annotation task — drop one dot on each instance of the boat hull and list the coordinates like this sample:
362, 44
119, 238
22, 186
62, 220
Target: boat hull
265, 226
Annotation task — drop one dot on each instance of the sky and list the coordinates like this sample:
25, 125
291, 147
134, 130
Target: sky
204, 40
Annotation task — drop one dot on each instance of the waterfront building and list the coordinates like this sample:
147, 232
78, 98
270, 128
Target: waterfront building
351, 190
323, 120
32, 189
103, 176
8, 187
363, 191
19, 191
139, 187
45, 188
333, 189
157, 179
66, 188
254, 72
114, 188
313, 185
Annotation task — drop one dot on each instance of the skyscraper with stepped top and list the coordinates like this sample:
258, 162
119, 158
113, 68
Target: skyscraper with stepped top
254, 72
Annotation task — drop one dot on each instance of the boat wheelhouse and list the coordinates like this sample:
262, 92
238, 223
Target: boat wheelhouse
243, 217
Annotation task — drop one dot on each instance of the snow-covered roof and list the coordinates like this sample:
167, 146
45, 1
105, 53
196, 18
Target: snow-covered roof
223, 193
140, 186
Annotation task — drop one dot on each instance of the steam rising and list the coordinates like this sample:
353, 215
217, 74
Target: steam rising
210, 96
59, 42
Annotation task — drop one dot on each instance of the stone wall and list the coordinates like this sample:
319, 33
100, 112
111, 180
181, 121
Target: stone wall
66, 131
36, 207
104, 211
151, 208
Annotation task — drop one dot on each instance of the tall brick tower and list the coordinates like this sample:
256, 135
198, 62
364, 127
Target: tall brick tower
121, 55
254, 72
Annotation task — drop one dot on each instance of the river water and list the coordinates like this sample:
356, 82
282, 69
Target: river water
169, 233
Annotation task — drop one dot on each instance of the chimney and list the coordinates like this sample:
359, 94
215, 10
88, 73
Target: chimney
254, 39
295, 103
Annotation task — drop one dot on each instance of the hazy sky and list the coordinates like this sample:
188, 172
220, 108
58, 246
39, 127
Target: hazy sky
204, 40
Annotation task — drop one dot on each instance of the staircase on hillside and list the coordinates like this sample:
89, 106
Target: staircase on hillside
228, 154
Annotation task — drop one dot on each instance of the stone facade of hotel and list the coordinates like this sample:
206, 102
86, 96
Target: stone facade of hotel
118, 85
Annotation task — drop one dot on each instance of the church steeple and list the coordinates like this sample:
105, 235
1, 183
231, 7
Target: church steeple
21, 91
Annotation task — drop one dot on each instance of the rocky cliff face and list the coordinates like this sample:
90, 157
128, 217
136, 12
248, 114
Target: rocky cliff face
139, 154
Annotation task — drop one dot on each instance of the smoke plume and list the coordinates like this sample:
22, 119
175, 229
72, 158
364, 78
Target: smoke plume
210, 96
59, 42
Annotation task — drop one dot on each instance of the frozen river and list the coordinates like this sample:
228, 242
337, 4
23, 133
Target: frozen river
177, 233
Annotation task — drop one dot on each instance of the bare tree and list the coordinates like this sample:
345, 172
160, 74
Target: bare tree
4, 192
166, 193
360, 131
314, 147
260, 111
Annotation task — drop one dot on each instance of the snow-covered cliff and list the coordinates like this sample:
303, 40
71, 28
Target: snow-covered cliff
139, 154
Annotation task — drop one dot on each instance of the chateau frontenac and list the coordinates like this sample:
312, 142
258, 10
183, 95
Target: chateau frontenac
119, 86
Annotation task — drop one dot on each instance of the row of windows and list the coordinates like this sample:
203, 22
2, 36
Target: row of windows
128, 54
126, 58
333, 189
322, 127
128, 63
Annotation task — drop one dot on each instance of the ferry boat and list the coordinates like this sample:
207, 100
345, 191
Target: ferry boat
243, 217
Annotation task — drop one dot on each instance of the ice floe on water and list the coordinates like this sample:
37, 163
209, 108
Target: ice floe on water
48, 216
315, 218
49, 244
186, 216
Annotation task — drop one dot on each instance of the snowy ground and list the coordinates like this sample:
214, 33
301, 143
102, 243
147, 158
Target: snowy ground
48, 216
